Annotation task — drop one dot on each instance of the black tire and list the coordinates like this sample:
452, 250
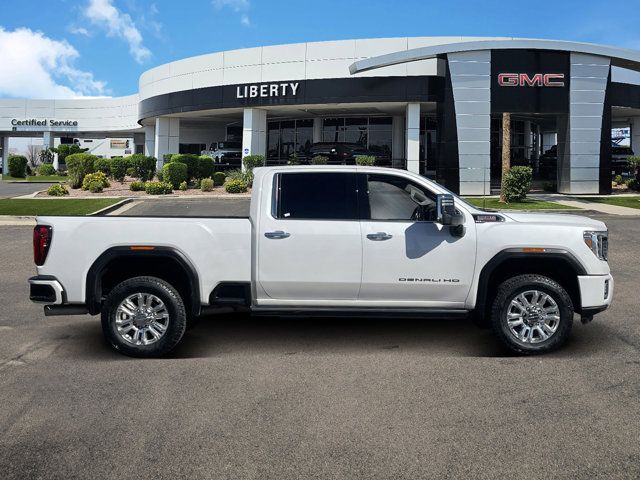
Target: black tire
176, 324
513, 287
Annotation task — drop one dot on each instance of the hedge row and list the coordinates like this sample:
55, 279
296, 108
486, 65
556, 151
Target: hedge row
81, 164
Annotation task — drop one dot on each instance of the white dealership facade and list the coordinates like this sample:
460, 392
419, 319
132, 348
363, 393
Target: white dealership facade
432, 105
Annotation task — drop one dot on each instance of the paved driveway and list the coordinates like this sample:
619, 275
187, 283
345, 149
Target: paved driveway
10, 189
324, 398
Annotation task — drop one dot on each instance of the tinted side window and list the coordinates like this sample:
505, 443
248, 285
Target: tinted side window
321, 196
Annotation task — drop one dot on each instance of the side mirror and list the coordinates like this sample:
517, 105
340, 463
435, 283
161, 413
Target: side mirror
448, 215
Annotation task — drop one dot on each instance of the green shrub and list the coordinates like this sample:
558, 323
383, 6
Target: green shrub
631, 183
46, 155
366, 160
205, 167
30, 172
92, 179
175, 173
517, 184
144, 167
137, 186
94, 186
617, 180
252, 161
65, 150
131, 172
79, 165
57, 190
119, 168
235, 186
294, 159
102, 165
158, 188
219, 178
633, 162
246, 176
46, 169
206, 184
183, 186
160, 175
191, 161
319, 160
166, 158
17, 166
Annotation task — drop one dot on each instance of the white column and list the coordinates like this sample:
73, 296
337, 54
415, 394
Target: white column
580, 167
471, 84
254, 132
635, 135
317, 130
412, 149
397, 139
150, 141
5, 155
167, 137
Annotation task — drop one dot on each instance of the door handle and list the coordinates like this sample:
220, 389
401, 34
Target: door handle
379, 237
277, 235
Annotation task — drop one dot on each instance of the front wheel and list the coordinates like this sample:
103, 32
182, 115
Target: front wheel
143, 317
532, 314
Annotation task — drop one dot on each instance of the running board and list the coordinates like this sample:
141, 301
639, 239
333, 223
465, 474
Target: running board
359, 312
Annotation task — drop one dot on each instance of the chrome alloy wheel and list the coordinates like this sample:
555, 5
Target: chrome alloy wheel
533, 316
142, 319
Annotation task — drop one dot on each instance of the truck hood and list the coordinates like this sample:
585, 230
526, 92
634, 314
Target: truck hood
556, 219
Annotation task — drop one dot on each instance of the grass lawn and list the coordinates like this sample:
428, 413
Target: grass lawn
54, 206
632, 202
527, 204
36, 178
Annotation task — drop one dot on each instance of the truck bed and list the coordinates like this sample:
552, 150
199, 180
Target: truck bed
219, 248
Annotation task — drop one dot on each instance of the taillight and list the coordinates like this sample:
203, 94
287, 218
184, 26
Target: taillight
41, 242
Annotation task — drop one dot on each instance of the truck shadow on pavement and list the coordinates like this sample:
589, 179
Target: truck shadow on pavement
243, 334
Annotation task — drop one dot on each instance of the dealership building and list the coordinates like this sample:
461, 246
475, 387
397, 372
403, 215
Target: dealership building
432, 105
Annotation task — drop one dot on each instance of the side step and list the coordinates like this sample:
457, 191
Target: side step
359, 312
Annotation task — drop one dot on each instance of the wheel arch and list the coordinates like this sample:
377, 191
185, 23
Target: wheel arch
119, 263
559, 265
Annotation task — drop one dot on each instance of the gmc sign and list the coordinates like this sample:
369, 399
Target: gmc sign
536, 80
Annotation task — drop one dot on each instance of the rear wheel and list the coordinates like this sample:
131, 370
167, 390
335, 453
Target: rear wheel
143, 317
532, 314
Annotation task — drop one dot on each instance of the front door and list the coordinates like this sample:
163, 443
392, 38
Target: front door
310, 244
407, 257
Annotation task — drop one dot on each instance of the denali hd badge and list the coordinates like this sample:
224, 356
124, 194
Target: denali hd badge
429, 280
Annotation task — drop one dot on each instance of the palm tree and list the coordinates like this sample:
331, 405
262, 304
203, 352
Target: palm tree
506, 152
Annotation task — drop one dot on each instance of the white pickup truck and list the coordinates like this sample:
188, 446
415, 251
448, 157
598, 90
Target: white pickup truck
325, 240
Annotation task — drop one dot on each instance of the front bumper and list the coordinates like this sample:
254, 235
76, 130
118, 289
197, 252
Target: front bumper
596, 292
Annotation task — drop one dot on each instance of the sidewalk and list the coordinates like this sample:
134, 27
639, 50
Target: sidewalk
584, 204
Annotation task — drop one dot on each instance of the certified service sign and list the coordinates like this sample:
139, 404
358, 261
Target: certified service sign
34, 122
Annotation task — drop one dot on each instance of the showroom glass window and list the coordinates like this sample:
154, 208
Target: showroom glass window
286, 137
317, 196
394, 198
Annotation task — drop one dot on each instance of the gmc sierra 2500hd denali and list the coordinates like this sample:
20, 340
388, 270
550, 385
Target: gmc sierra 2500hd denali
325, 240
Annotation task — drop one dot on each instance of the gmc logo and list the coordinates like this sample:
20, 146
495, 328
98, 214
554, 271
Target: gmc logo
537, 80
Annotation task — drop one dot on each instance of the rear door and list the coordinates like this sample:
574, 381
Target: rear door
310, 243
407, 256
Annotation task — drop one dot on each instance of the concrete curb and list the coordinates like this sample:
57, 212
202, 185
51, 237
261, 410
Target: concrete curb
11, 220
111, 208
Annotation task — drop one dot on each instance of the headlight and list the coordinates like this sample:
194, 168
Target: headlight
598, 243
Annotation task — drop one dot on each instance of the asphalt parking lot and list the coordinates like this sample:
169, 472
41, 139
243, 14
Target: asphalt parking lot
14, 189
322, 398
